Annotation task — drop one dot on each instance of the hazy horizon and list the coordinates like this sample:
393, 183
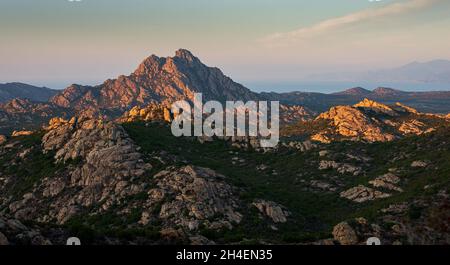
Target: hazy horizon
301, 86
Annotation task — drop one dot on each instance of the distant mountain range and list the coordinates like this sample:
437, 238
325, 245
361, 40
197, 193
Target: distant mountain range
165, 80
437, 71
10, 91
433, 101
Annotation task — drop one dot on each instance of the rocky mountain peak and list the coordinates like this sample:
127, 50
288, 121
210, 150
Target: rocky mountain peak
375, 106
185, 55
161, 80
151, 64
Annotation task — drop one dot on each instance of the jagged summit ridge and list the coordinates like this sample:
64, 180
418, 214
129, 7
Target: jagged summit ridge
156, 79
186, 55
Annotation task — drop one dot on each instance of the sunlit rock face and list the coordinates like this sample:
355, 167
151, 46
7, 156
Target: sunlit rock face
151, 112
373, 122
162, 80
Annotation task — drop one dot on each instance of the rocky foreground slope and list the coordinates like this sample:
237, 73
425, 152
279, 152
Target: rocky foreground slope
95, 169
137, 184
109, 162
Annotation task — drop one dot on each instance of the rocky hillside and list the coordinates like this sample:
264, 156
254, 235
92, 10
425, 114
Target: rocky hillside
137, 184
11, 91
23, 114
92, 167
162, 112
368, 121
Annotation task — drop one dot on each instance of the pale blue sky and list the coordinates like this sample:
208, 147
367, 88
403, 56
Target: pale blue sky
57, 42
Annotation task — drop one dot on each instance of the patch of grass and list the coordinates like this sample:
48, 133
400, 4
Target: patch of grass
30, 169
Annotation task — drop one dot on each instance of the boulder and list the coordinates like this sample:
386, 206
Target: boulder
362, 194
341, 168
386, 181
274, 211
419, 164
3, 240
13, 232
345, 234
21, 133
413, 127
2, 139
191, 197
152, 112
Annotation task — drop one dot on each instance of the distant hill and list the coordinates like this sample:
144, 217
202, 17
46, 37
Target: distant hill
10, 91
437, 71
368, 121
432, 102
356, 91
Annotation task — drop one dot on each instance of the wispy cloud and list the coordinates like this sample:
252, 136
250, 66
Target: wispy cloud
347, 20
